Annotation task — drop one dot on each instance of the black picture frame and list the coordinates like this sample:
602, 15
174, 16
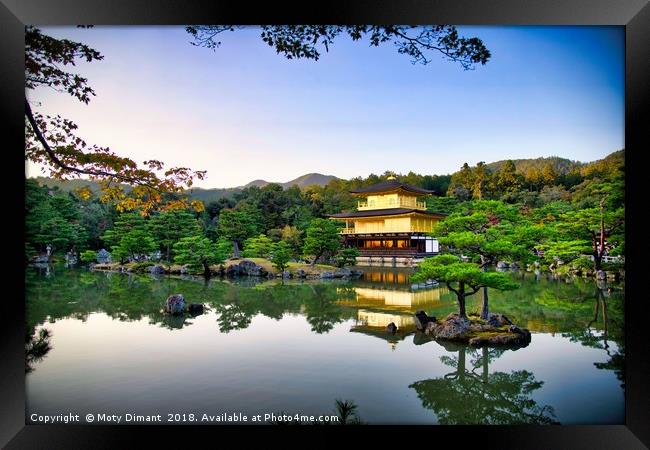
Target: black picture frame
633, 14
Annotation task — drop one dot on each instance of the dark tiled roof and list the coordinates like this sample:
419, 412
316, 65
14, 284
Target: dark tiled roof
384, 212
392, 185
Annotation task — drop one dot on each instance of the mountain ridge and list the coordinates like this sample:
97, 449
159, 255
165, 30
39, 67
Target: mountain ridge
561, 165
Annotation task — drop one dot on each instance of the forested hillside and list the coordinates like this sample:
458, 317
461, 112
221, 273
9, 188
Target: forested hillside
557, 209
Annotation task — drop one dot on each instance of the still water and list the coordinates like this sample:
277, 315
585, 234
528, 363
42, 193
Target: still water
296, 347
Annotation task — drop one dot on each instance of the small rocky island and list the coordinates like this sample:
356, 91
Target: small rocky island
497, 330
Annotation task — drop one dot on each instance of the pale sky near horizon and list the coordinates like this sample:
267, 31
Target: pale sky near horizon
243, 112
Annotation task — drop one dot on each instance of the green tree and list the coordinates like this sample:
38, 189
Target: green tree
488, 231
52, 218
322, 237
281, 255
95, 218
168, 227
124, 223
258, 247
237, 226
347, 257
89, 256
198, 252
134, 244
592, 226
461, 278
293, 237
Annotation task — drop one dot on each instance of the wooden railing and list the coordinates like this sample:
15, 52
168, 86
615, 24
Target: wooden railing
412, 229
391, 203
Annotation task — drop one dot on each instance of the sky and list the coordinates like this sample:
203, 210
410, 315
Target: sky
242, 112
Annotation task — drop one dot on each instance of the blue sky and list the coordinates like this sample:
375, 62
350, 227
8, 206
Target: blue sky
242, 112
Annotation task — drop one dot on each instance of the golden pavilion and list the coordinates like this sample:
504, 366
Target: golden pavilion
391, 221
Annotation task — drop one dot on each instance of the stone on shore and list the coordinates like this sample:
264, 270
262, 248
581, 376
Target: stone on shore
157, 269
498, 320
246, 268
454, 327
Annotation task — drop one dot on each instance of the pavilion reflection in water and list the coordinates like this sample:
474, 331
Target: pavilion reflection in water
394, 288
388, 296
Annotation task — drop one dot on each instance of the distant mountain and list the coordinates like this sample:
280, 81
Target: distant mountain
302, 181
72, 185
561, 165
212, 195
258, 183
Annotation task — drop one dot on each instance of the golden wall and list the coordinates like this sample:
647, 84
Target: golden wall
394, 200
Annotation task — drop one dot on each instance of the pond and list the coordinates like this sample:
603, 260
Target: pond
296, 347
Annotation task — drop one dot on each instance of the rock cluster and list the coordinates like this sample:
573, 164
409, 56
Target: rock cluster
496, 330
246, 268
342, 273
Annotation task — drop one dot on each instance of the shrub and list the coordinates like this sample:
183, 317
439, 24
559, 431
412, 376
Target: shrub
89, 256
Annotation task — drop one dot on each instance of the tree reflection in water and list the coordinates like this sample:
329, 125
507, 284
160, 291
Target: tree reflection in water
591, 336
467, 396
37, 345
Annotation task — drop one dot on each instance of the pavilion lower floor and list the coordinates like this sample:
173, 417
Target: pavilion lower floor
393, 244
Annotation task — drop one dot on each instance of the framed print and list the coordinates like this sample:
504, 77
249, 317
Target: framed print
385, 214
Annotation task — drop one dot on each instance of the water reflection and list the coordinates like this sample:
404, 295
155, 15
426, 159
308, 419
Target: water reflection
374, 324
604, 328
470, 394
265, 335
37, 346
585, 312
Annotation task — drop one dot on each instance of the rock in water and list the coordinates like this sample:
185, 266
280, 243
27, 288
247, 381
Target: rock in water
175, 304
421, 320
391, 328
195, 308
